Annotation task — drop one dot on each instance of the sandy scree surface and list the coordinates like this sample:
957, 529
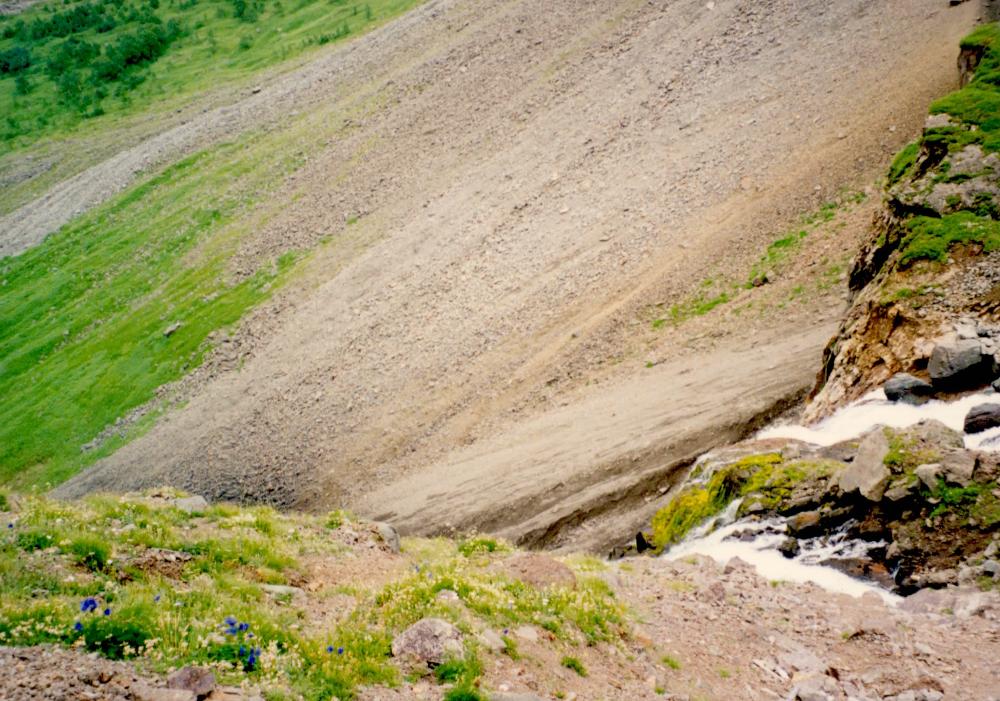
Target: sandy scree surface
528, 186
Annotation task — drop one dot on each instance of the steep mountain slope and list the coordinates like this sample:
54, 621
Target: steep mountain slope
504, 218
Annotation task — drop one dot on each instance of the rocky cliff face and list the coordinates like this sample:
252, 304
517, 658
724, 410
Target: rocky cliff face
929, 277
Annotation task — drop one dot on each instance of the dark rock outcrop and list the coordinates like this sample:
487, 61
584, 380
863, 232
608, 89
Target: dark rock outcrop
904, 387
982, 418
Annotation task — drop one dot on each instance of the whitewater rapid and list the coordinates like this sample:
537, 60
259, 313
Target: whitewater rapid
756, 542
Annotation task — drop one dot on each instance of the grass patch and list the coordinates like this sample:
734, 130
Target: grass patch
574, 664
932, 238
671, 662
214, 611
903, 163
84, 316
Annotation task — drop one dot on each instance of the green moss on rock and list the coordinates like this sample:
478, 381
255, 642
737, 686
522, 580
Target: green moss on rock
766, 476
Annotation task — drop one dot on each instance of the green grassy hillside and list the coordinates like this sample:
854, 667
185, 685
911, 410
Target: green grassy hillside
72, 64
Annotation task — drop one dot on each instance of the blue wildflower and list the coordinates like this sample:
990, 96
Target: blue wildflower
329, 648
249, 635
243, 650
78, 626
89, 604
229, 621
107, 612
156, 599
10, 525
243, 627
340, 651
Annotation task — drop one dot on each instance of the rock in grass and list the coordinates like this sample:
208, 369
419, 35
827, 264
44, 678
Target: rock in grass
540, 571
868, 473
982, 418
903, 387
388, 535
197, 680
429, 641
929, 474
190, 504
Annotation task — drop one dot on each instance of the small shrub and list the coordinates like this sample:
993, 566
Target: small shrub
473, 546
34, 539
462, 672
115, 636
574, 664
671, 662
90, 552
14, 60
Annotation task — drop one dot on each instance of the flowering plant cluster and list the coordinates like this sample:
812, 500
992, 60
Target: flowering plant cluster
243, 650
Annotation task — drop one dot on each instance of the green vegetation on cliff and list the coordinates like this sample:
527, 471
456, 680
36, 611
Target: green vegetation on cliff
973, 118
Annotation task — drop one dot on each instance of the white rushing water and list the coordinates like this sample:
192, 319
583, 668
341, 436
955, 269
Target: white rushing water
874, 409
717, 540
756, 542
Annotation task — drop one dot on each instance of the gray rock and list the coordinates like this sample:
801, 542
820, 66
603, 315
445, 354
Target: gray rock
282, 590
900, 489
991, 567
960, 365
868, 474
790, 548
987, 467
492, 641
903, 387
929, 474
982, 418
805, 524
996, 385
191, 505
388, 534
429, 641
958, 467
197, 680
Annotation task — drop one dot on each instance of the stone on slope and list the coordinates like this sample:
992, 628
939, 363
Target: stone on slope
982, 418
198, 680
958, 467
903, 387
540, 571
959, 365
388, 535
191, 504
868, 473
429, 641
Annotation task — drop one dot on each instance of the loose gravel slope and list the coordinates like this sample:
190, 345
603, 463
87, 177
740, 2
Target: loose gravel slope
519, 190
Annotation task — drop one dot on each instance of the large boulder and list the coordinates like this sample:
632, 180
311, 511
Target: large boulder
960, 364
429, 641
903, 387
982, 418
868, 473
